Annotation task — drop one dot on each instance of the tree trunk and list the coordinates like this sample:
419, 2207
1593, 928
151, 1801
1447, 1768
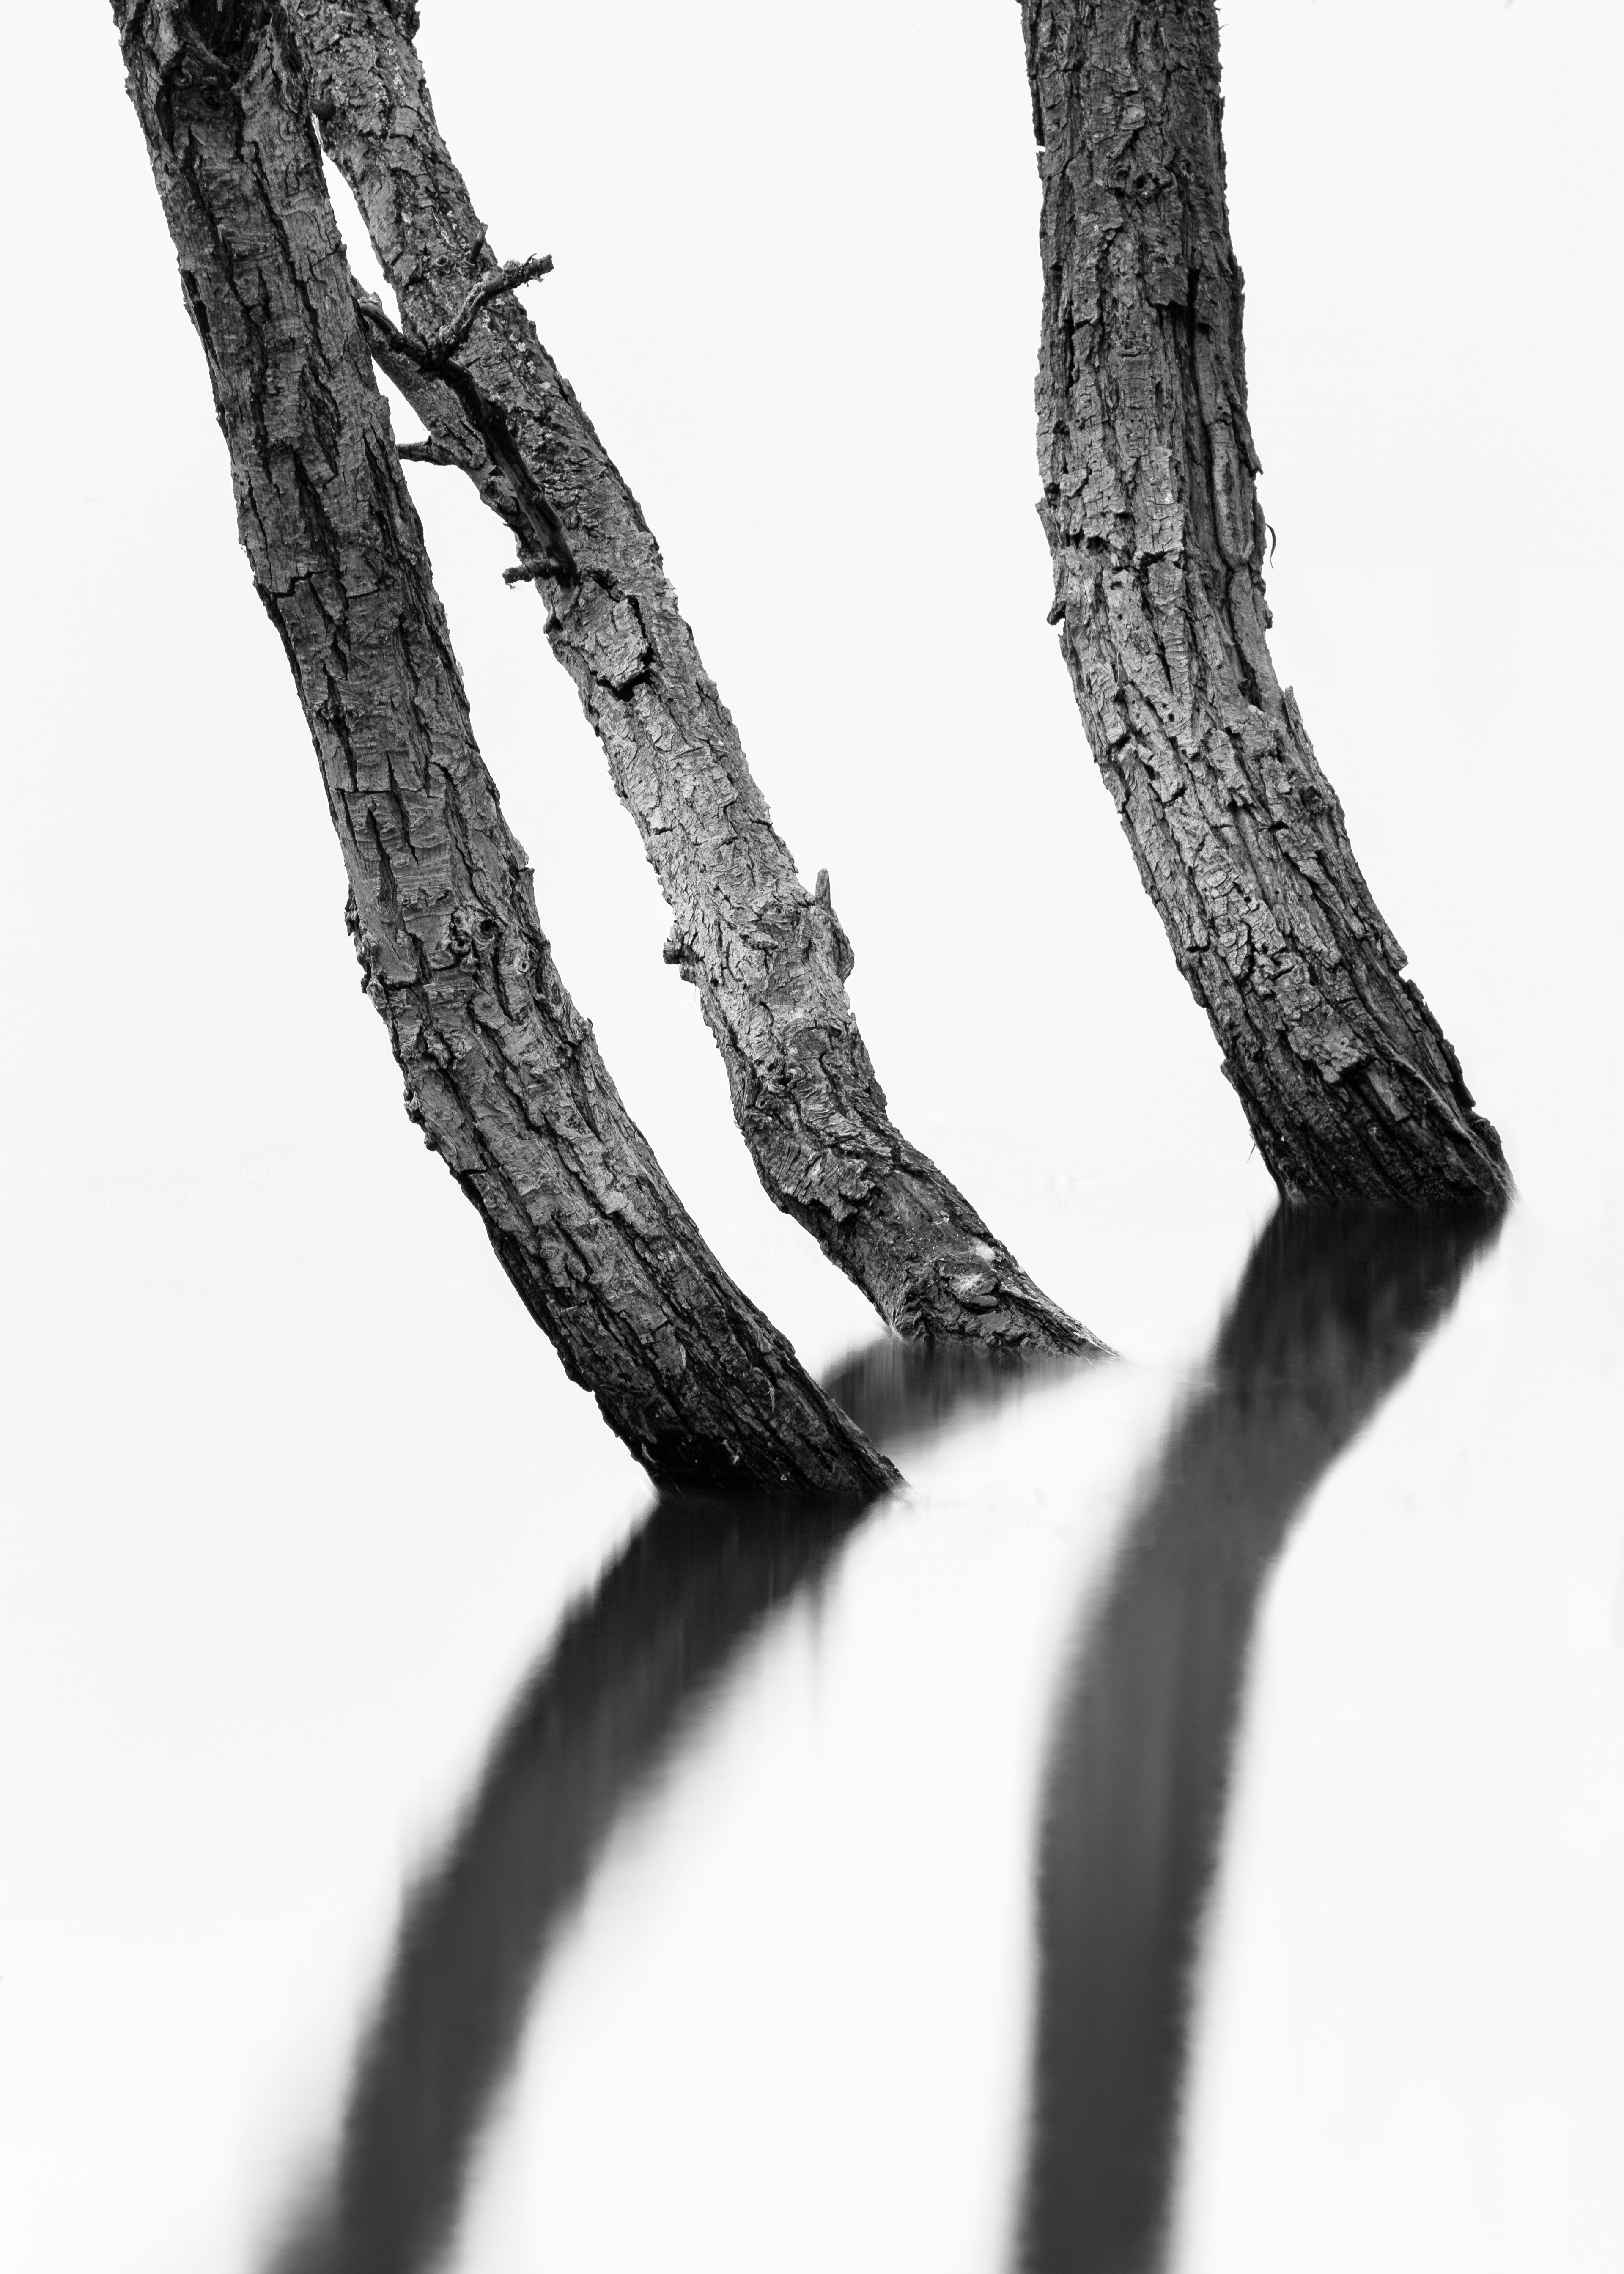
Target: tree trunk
768, 958
500, 1070
1157, 537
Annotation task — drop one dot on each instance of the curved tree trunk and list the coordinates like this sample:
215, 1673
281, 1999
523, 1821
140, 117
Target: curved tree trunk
1152, 519
769, 960
501, 1072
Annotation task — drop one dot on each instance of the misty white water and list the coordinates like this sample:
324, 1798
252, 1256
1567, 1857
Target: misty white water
1193, 1804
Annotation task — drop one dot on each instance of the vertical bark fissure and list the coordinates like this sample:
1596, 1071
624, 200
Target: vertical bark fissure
500, 1070
770, 959
1157, 538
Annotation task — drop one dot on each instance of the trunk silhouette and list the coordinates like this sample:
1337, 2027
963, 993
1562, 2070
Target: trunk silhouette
501, 1072
607, 1714
768, 958
1330, 1315
608, 1708
1157, 538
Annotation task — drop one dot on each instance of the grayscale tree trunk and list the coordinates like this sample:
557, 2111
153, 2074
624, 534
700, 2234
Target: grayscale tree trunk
768, 958
1157, 537
500, 1070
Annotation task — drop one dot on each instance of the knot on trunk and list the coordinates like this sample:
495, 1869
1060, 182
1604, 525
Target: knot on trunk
828, 931
680, 951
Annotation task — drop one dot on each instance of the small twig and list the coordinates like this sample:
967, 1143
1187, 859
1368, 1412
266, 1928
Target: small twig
369, 305
444, 395
504, 279
439, 346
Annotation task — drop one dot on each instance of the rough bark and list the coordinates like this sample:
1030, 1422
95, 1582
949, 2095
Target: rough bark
1157, 537
500, 1070
768, 958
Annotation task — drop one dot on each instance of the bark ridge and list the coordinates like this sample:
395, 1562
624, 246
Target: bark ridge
501, 1072
768, 958
1151, 509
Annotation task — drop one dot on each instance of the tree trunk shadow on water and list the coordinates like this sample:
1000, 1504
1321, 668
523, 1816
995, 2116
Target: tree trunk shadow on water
1329, 1317
618, 1694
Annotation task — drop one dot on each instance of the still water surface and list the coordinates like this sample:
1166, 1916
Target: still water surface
692, 1975
1183, 1830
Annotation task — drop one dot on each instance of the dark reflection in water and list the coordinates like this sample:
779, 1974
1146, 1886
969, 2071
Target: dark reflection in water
627, 1674
899, 1392
608, 1707
1329, 1315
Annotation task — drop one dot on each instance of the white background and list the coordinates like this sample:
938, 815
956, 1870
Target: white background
293, 1490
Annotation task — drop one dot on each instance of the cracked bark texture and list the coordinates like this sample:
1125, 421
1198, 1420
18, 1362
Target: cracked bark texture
1157, 536
501, 1073
768, 958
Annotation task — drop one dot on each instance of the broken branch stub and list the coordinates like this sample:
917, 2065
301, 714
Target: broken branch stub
768, 958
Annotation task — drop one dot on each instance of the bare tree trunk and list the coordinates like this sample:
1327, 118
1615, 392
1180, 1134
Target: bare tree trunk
769, 960
1152, 519
500, 1070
